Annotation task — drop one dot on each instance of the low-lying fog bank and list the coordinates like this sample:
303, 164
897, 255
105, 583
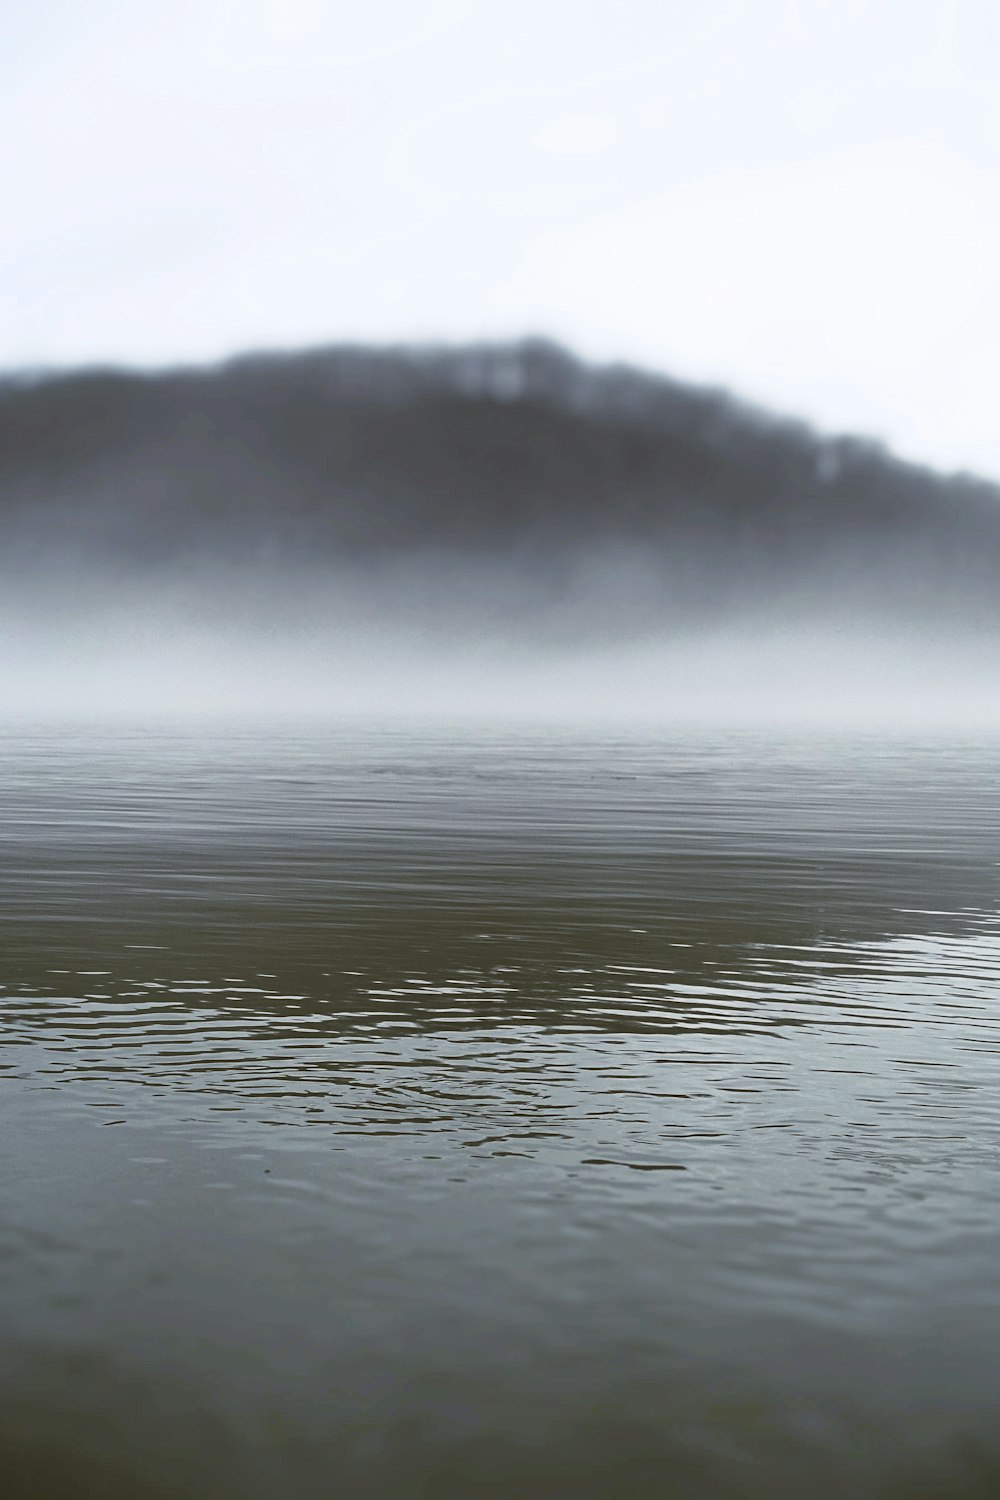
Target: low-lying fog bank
140, 656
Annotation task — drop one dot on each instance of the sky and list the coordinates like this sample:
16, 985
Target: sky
797, 201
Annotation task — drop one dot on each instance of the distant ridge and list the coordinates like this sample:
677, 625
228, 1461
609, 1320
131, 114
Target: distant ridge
514, 458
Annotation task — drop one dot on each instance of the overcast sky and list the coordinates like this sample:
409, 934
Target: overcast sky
798, 200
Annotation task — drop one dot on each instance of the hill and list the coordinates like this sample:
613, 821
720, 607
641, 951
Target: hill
516, 465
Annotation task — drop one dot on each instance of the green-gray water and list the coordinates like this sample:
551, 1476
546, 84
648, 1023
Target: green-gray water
435, 1116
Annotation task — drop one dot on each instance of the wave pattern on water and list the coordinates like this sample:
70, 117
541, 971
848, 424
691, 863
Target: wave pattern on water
456, 1108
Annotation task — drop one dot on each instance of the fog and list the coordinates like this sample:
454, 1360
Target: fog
193, 650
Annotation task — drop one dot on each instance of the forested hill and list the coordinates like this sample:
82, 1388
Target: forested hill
510, 456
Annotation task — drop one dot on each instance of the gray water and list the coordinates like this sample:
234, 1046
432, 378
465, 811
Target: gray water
498, 1113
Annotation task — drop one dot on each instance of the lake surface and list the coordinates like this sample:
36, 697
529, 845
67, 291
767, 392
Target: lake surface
498, 1113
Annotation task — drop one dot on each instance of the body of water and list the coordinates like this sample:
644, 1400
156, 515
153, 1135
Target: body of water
397, 1113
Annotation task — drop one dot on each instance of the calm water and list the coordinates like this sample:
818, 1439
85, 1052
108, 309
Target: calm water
413, 1115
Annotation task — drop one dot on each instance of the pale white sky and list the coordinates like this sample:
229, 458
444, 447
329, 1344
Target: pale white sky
798, 200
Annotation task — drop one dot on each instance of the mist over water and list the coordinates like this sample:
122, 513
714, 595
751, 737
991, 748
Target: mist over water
398, 648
